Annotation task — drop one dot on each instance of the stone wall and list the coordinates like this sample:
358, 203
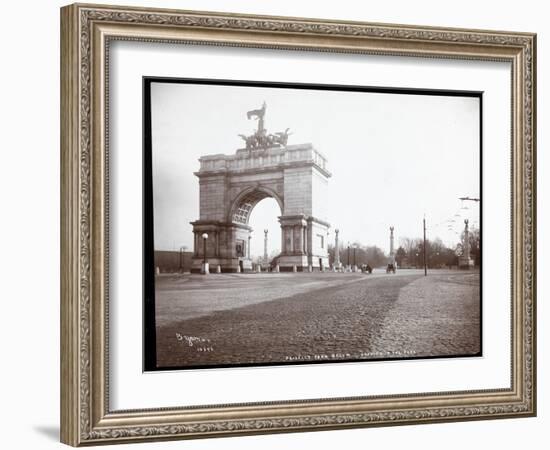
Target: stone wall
173, 261
298, 191
319, 194
212, 197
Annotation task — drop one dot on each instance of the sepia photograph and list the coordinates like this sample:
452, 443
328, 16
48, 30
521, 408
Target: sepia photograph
305, 224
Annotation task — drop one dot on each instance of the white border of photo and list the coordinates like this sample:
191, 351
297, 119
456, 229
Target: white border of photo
131, 388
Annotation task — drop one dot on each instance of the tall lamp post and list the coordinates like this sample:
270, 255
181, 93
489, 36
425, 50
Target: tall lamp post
354, 258
424, 244
336, 250
182, 258
205, 270
265, 247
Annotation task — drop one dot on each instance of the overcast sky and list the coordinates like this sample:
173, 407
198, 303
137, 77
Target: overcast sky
393, 157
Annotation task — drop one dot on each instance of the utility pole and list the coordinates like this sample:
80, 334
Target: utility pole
425, 266
392, 253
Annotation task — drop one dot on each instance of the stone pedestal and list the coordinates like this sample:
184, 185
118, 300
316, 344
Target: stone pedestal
205, 268
392, 253
227, 246
465, 263
303, 242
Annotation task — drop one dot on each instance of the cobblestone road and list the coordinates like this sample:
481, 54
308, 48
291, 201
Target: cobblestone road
316, 317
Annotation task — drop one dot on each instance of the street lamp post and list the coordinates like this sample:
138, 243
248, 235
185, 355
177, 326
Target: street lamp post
205, 270
336, 250
425, 265
182, 258
265, 247
354, 258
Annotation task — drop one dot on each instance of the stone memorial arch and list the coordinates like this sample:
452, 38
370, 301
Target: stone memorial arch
296, 176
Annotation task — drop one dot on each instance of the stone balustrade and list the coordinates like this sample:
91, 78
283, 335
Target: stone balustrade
274, 157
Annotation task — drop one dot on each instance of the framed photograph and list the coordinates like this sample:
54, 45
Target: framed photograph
275, 224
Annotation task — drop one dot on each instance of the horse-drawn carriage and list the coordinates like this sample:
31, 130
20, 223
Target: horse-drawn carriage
366, 268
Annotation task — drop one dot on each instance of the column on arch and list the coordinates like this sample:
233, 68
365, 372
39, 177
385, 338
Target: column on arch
304, 239
298, 239
293, 246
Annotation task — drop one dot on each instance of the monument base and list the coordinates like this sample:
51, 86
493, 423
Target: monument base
302, 263
287, 263
227, 265
465, 263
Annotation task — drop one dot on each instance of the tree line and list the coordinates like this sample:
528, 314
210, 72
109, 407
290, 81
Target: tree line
359, 254
410, 253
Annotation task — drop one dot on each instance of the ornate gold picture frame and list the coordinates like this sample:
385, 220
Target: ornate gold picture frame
87, 31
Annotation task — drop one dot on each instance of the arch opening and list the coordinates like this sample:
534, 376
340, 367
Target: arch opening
265, 233
246, 205
248, 200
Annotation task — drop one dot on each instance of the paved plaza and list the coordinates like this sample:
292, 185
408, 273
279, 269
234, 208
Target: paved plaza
225, 319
